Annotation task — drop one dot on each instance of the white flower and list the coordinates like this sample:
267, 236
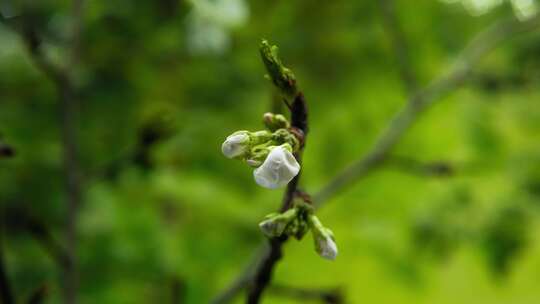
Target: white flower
325, 246
279, 168
236, 144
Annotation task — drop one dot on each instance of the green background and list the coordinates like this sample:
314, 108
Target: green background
188, 216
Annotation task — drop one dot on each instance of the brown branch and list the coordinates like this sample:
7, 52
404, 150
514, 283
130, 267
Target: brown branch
481, 45
285, 82
263, 272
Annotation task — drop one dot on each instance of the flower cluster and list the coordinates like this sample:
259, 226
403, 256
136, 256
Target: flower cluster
296, 222
269, 151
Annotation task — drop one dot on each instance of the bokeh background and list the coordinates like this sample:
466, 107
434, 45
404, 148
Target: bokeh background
452, 217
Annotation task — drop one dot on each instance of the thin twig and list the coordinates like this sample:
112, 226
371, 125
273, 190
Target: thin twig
178, 289
264, 271
414, 166
17, 220
39, 295
482, 44
70, 113
399, 44
20, 220
6, 292
329, 296
244, 278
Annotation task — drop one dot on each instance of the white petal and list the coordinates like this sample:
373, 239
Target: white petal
278, 169
272, 227
235, 144
327, 248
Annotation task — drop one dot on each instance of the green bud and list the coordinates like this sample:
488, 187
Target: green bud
240, 144
275, 224
323, 238
298, 228
300, 225
258, 153
260, 137
236, 145
284, 136
275, 121
281, 76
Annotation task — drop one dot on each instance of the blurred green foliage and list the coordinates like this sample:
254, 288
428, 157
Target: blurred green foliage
163, 82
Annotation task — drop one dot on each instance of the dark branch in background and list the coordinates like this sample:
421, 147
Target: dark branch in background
399, 44
494, 83
410, 80
62, 78
284, 80
481, 45
6, 293
151, 133
38, 295
178, 290
328, 296
70, 120
6, 150
264, 271
243, 279
19, 220
414, 166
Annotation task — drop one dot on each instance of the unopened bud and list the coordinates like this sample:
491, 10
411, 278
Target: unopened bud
275, 121
275, 224
323, 237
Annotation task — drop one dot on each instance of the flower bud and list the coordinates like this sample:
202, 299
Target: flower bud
275, 121
236, 144
260, 137
275, 224
285, 136
325, 244
278, 169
